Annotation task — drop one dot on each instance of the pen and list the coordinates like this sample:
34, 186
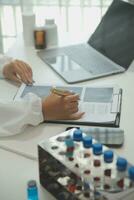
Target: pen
30, 84
60, 92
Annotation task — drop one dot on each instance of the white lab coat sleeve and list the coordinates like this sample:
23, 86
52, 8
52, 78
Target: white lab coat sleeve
3, 61
16, 115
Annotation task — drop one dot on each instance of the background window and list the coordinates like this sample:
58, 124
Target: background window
73, 16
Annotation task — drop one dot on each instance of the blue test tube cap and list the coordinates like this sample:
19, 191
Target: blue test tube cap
121, 164
87, 141
97, 149
131, 173
108, 156
77, 135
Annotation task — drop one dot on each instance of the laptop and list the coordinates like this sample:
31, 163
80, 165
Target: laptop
109, 50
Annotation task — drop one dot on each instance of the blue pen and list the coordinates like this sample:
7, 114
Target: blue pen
32, 190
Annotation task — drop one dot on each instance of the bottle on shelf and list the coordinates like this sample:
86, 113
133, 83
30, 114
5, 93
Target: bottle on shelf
28, 21
51, 32
39, 38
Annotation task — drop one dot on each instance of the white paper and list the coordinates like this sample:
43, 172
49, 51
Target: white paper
97, 112
100, 104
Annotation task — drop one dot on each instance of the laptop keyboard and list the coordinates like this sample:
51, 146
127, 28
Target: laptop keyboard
89, 58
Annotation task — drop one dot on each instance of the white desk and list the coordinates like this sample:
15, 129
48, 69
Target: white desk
16, 170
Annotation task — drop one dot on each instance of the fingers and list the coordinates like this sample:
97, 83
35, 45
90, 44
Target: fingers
26, 72
76, 116
22, 71
66, 106
71, 103
72, 98
72, 108
15, 78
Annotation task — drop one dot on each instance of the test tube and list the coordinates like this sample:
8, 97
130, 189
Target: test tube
87, 144
108, 165
131, 176
86, 190
70, 148
121, 165
97, 159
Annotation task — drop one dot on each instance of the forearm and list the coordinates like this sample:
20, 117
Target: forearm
16, 115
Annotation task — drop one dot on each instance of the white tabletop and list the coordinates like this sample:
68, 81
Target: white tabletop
16, 170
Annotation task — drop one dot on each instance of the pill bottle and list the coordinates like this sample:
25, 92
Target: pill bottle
51, 32
39, 38
28, 22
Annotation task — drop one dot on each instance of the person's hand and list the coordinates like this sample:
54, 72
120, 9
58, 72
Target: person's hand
55, 107
18, 71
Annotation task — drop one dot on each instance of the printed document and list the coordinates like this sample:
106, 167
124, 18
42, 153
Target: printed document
100, 104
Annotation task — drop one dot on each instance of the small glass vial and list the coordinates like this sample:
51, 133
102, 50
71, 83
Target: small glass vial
69, 148
77, 137
86, 188
108, 166
86, 151
32, 190
39, 38
131, 176
121, 166
87, 144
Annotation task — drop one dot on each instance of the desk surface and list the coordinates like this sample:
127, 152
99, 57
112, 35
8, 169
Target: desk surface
16, 170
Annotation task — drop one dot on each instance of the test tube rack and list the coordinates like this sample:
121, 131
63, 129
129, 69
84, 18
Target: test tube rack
68, 175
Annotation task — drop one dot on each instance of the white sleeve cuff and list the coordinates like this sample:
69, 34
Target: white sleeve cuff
19, 114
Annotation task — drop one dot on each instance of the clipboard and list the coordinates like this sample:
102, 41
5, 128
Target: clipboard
113, 102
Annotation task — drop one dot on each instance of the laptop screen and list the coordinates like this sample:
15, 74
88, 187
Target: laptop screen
114, 37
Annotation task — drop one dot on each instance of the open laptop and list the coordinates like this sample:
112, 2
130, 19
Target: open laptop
109, 50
